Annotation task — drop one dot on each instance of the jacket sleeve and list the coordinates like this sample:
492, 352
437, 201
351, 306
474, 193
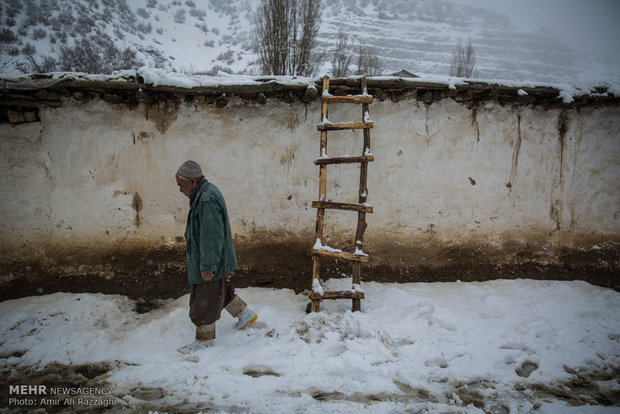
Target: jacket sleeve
211, 235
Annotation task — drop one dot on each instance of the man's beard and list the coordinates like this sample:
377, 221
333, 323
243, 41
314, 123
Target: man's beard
192, 195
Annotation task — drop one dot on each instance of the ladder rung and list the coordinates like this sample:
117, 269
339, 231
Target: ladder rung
342, 206
334, 127
341, 255
344, 160
342, 294
354, 99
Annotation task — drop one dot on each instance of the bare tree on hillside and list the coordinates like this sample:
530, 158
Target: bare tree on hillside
368, 62
272, 34
47, 64
463, 61
91, 57
285, 36
306, 56
341, 59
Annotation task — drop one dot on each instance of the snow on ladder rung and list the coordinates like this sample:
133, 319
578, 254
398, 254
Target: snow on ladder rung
344, 160
354, 99
337, 127
362, 208
341, 255
344, 294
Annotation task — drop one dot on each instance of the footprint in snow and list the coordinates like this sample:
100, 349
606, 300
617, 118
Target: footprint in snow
436, 362
526, 369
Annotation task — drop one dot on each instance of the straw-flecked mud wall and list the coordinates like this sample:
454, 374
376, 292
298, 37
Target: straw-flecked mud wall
467, 183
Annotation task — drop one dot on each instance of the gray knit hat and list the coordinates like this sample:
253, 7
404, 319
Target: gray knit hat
189, 169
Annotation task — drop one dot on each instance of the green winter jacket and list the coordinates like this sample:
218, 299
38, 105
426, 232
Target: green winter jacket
209, 239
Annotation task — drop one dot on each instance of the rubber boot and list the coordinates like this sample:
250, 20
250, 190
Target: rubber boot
240, 310
205, 336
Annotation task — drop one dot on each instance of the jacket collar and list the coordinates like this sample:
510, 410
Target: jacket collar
199, 192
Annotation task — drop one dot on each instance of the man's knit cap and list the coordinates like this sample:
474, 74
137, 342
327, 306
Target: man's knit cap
189, 169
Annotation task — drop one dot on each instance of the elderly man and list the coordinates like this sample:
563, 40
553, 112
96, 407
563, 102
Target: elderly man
210, 258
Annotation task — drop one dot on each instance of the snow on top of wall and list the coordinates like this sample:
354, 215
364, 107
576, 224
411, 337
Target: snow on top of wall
153, 77
565, 90
161, 77
45, 80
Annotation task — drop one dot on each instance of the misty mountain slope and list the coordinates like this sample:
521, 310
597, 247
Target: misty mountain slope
421, 39
212, 35
184, 36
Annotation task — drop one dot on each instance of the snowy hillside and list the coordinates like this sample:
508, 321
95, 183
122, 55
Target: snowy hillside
212, 35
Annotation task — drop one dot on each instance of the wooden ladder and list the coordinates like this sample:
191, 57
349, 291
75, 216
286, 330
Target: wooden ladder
362, 208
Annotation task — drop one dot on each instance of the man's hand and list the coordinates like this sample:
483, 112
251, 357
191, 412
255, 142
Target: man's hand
206, 276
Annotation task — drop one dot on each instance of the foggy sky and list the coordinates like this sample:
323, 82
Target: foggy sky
592, 27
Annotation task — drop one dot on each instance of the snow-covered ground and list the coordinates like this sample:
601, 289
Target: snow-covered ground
500, 346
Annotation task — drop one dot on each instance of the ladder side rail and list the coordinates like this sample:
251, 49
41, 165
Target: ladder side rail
320, 213
363, 198
363, 187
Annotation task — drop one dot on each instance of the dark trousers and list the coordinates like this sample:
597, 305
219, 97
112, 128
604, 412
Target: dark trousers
207, 300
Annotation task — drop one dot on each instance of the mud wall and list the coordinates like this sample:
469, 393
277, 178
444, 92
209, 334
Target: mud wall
458, 190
